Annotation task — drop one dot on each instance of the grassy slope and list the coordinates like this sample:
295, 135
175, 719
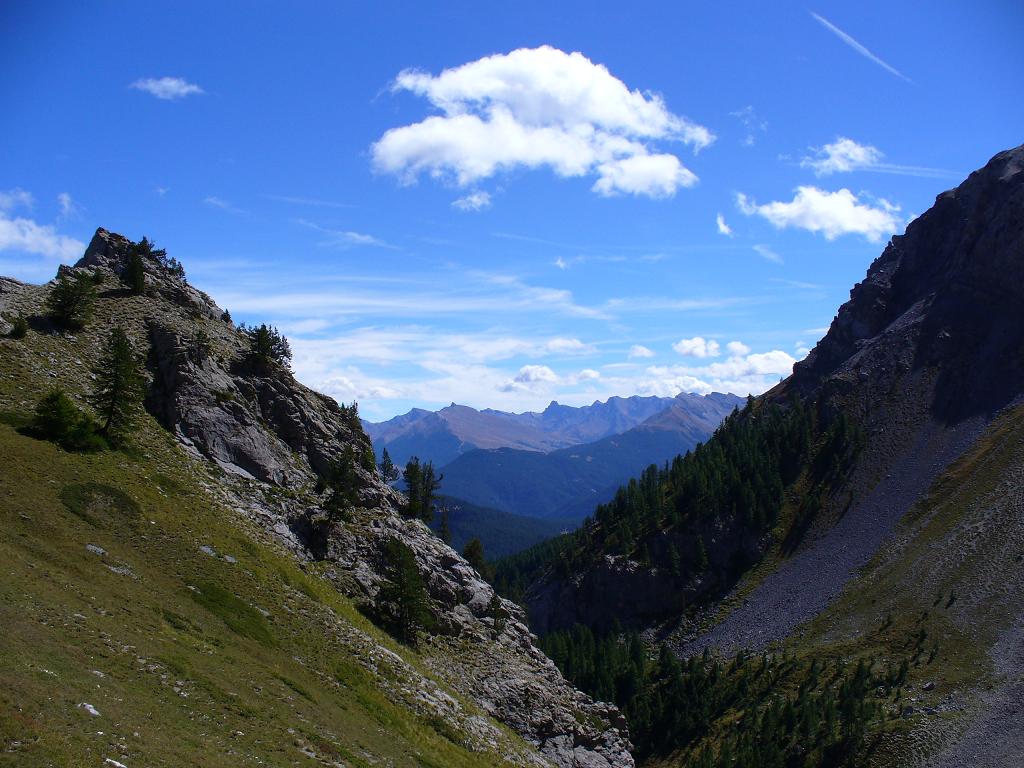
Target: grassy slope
955, 569
179, 676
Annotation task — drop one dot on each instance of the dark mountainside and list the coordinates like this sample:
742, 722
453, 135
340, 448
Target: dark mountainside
868, 509
444, 435
501, 533
220, 570
566, 484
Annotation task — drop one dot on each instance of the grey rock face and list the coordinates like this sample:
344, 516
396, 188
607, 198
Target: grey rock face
945, 297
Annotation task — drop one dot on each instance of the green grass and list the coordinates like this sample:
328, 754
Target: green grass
190, 659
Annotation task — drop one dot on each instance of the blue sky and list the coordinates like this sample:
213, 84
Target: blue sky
501, 206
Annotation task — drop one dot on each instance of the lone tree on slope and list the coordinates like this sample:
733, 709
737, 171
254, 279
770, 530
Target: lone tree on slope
71, 300
118, 388
403, 597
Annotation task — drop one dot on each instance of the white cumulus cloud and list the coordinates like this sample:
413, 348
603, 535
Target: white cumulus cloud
20, 234
841, 156
167, 88
535, 108
740, 374
845, 155
723, 228
530, 376
737, 348
698, 346
831, 213
639, 350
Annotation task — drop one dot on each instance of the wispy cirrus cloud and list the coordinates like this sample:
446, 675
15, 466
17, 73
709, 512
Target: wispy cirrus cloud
346, 238
858, 47
766, 252
212, 201
167, 88
539, 108
16, 198
308, 201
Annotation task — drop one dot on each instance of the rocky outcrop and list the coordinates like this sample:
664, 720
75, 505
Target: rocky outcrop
261, 423
944, 297
273, 437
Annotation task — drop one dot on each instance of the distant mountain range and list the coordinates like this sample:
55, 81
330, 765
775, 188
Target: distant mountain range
569, 482
557, 464
442, 436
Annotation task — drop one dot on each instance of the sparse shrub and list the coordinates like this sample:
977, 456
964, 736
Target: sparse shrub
147, 249
225, 316
20, 328
497, 612
222, 396
71, 300
444, 530
241, 618
350, 415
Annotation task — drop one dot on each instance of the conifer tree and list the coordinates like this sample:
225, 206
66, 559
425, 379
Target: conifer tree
118, 387
134, 272
267, 345
71, 300
388, 470
403, 597
474, 554
412, 475
421, 486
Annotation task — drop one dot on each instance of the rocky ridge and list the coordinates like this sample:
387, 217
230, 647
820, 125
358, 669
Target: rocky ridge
270, 436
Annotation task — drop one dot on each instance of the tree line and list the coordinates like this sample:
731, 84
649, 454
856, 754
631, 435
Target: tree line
775, 710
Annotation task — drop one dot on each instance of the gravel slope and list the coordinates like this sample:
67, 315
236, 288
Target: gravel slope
805, 584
